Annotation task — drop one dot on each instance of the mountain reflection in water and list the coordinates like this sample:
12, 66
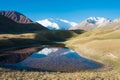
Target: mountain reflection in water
57, 59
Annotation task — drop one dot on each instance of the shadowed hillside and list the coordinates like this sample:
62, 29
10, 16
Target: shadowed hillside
9, 26
57, 35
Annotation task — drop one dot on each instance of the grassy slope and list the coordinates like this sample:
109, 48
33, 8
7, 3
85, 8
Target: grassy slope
99, 45
58, 35
10, 40
112, 25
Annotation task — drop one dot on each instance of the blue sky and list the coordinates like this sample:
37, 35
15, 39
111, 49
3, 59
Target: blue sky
73, 10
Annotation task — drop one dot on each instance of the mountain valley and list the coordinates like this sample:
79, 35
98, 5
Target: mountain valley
58, 45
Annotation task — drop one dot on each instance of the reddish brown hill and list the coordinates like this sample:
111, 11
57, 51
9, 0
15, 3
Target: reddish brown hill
16, 16
9, 26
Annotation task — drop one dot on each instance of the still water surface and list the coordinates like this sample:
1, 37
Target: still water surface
57, 59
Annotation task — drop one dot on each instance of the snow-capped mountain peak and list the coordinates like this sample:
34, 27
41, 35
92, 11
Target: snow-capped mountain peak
48, 23
92, 23
55, 24
97, 20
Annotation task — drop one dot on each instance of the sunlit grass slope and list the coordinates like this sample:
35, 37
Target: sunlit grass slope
99, 45
112, 25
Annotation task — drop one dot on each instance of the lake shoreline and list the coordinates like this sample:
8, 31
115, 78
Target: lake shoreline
28, 53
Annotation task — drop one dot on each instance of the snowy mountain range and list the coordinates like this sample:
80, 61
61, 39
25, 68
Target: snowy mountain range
87, 24
57, 24
91, 23
98, 20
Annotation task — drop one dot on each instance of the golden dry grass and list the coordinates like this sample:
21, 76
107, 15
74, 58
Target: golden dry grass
16, 40
22, 36
82, 75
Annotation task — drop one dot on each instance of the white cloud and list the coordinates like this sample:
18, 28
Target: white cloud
66, 21
71, 23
